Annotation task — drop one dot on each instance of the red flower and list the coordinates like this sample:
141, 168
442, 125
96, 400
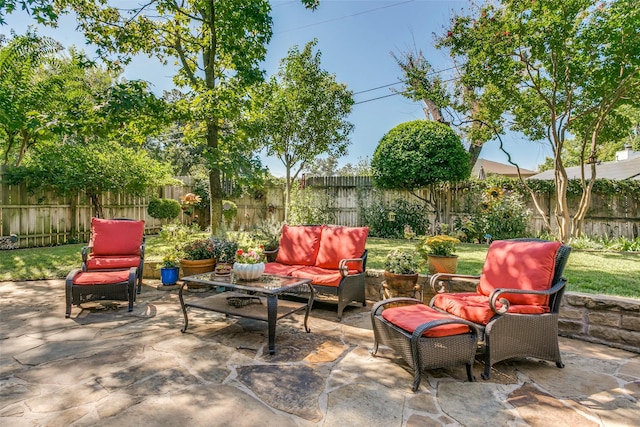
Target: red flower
240, 252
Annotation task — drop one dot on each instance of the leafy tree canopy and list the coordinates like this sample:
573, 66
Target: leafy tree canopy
419, 153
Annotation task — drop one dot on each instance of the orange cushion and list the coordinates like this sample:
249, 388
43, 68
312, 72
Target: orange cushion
475, 307
338, 243
519, 265
113, 237
112, 262
409, 317
280, 269
321, 276
299, 244
101, 277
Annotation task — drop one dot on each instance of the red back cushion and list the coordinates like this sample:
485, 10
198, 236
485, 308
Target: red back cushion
519, 265
116, 237
299, 244
339, 243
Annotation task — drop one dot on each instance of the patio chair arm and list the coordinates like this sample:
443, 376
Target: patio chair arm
342, 267
444, 278
494, 297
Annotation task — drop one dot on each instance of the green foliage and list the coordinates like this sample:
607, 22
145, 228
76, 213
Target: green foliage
224, 250
163, 208
419, 153
301, 113
390, 220
229, 211
267, 233
92, 169
309, 207
402, 262
554, 68
198, 249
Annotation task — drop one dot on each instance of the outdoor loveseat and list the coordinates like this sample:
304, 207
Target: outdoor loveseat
333, 257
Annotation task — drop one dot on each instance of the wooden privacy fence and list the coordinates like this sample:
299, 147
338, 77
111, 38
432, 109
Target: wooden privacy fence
44, 219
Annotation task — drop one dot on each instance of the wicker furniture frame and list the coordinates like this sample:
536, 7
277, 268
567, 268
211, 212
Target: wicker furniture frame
118, 291
509, 335
422, 352
351, 288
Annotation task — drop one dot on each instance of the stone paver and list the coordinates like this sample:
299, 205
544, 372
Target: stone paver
109, 367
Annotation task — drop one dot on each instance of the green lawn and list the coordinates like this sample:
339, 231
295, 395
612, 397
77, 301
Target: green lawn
609, 273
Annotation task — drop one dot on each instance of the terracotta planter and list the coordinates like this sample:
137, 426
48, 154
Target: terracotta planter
189, 267
401, 283
442, 264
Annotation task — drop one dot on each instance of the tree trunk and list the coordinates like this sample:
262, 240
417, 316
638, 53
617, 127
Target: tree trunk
432, 111
97, 206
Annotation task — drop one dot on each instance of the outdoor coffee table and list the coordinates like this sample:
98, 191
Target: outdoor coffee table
247, 298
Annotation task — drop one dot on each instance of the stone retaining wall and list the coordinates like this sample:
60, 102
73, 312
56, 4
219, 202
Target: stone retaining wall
595, 318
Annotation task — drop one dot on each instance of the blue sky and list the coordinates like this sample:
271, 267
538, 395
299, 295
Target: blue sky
356, 38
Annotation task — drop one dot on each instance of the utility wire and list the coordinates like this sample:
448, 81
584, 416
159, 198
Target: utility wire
394, 94
345, 16
403, 81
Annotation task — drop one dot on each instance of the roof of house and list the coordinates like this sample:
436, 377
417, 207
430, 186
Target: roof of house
619, 170
495, 168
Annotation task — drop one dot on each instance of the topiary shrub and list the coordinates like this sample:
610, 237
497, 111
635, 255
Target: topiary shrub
163, 208
419, 153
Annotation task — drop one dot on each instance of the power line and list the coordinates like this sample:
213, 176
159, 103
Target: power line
403, 81
345, 16
394, 94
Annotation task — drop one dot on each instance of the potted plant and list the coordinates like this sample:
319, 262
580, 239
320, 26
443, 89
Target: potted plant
268, 234
249, 264
225, 254
198, 256
438, 252
169, 269
401, 272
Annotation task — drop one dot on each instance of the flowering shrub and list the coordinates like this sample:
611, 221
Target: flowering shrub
249, 256
440, 245
170, 260
401, 262
198, 249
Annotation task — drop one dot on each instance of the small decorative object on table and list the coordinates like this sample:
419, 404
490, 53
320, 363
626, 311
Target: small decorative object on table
249, 264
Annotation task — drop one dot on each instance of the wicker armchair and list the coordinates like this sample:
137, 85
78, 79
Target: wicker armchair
116, 244
517, 300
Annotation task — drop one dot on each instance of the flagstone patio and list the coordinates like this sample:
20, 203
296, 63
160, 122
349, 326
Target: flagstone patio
106, 366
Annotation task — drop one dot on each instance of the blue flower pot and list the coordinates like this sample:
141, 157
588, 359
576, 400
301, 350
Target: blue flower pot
169, 276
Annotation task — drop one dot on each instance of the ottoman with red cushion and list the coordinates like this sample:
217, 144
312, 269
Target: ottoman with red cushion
84, 286
424, 337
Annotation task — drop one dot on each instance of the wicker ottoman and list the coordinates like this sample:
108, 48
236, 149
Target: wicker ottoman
84, 286
425, 338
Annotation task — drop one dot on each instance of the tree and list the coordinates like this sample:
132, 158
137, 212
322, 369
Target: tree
91, 169
218, 45
423, 84
416, 154
552, 70
43, 11
303, 112
27, 93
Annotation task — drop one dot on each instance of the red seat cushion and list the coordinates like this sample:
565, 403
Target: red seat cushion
101, 277
409, 317
112, 262
519, 265
299, 244
475, 307
338, 243
113, 237
321, 276
280, 269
